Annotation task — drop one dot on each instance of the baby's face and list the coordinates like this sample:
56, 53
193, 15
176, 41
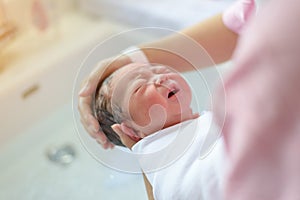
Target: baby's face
154, 97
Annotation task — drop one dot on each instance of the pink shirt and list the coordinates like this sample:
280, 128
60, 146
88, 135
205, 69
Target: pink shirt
262, 106
237, 16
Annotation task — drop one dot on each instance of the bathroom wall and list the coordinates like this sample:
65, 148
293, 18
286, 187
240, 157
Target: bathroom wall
38, 68
34, 13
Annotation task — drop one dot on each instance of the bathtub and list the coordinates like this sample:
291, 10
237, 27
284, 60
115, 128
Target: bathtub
43, 152
37, 118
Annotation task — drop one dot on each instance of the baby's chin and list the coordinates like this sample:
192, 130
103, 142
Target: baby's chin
178, 118
156, 124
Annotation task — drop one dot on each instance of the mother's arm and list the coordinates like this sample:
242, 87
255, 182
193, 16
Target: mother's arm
217, 40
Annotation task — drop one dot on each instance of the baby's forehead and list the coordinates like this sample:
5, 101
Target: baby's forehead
130, 72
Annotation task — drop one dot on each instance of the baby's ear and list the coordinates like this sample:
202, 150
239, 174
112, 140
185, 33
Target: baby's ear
117, 128
128, 131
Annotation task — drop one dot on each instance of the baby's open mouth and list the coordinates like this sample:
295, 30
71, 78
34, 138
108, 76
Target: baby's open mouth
172, 93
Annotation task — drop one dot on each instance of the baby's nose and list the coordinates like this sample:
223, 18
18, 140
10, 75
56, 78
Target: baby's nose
160, 79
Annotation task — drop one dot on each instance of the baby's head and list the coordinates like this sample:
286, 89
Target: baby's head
142, 99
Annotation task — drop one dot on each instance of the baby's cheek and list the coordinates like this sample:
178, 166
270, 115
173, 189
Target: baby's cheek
141, 116
149, 111
154, 119
139, 111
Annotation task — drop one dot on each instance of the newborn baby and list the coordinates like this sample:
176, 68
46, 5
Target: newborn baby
152, 105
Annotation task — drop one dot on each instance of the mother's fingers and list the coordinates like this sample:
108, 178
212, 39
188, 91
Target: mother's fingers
90, 123
99, 73
90, 84
86, 113
87, 92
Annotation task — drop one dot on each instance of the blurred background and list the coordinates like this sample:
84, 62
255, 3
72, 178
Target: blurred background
43, 43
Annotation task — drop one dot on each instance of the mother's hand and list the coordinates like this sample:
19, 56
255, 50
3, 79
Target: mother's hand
87, 93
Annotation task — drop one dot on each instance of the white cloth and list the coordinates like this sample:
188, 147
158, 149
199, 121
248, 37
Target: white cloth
172, 161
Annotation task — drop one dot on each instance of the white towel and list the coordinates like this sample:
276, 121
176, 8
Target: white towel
172, 162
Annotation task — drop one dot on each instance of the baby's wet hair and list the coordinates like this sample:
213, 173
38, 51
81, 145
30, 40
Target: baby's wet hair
103, 109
